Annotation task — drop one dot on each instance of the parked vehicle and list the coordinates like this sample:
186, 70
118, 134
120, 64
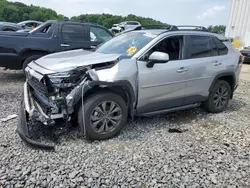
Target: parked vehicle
138, 73
117, 28
246, 53
8, 26
24, 30
28, 24
17, 49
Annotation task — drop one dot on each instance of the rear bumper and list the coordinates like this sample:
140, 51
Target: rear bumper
23, 128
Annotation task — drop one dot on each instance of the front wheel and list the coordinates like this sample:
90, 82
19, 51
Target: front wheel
219, 97
105, 114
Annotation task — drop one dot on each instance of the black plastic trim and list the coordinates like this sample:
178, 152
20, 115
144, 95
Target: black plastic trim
223, 75
186, 107
122, 83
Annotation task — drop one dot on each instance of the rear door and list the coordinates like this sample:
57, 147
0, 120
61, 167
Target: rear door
74, 36
98, 35
202, 62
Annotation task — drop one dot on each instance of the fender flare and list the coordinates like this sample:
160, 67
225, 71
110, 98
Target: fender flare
32, 51
220, 75
121, 83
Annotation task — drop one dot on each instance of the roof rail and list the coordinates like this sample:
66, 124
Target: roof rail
198, 28
160, 26
167, 28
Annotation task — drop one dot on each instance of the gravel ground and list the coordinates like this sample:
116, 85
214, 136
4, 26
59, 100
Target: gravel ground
214, 152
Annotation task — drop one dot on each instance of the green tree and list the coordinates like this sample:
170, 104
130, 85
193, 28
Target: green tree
217, 28
16, 12
108, 20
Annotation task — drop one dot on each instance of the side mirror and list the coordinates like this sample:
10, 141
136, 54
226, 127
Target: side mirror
157, 57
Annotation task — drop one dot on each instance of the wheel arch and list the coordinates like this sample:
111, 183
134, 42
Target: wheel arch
121, 88
228, 77
29, 52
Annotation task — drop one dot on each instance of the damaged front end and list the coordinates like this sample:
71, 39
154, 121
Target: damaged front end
53, 92
48, 98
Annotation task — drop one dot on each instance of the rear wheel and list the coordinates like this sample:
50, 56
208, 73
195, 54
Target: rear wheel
29, 59
219, 97
105, 114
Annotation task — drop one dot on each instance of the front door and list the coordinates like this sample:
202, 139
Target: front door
162, 86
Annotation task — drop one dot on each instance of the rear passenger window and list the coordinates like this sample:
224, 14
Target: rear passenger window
200, 46
222, 49
98, 34
74, 33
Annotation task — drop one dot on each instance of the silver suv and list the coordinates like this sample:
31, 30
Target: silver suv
138, 73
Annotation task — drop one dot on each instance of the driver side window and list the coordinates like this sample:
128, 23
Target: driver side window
171, 45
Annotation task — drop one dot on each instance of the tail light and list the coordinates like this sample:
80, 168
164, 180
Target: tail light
241, 59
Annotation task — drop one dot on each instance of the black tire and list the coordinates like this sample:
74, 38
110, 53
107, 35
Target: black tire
29, 59
89, 109
211, 105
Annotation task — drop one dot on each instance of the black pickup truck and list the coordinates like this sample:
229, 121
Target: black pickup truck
17, 49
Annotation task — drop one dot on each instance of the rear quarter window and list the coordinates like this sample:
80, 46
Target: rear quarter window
200, 46
222, 49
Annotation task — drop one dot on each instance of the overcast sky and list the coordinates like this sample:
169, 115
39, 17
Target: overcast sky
196, 12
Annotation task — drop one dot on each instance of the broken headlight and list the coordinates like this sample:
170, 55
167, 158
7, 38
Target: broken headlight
66, 79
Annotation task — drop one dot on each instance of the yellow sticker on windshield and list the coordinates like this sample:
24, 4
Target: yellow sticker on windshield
131, 50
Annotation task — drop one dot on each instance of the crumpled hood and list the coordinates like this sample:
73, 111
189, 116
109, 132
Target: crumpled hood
68, 60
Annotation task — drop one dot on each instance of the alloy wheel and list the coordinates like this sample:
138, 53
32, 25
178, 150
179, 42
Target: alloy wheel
105, 117
221, 97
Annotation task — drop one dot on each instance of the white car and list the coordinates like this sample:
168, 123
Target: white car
124, 26
115, 28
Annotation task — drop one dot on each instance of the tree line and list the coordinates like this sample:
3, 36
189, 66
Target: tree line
17, 12
217, 28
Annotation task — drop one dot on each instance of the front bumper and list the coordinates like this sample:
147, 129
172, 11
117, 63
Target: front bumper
26, 108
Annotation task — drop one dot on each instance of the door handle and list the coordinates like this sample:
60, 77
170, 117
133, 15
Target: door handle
65, 45
182, 69
216, 63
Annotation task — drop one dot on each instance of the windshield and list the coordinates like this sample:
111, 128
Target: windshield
126, 44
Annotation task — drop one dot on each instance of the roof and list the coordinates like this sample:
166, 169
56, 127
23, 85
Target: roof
8, 23
30, 21
152, 31
175, 29
72, 22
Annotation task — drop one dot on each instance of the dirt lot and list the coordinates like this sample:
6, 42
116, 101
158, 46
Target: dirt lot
214, 152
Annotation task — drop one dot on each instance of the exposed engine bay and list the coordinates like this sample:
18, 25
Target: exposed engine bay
55, 95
